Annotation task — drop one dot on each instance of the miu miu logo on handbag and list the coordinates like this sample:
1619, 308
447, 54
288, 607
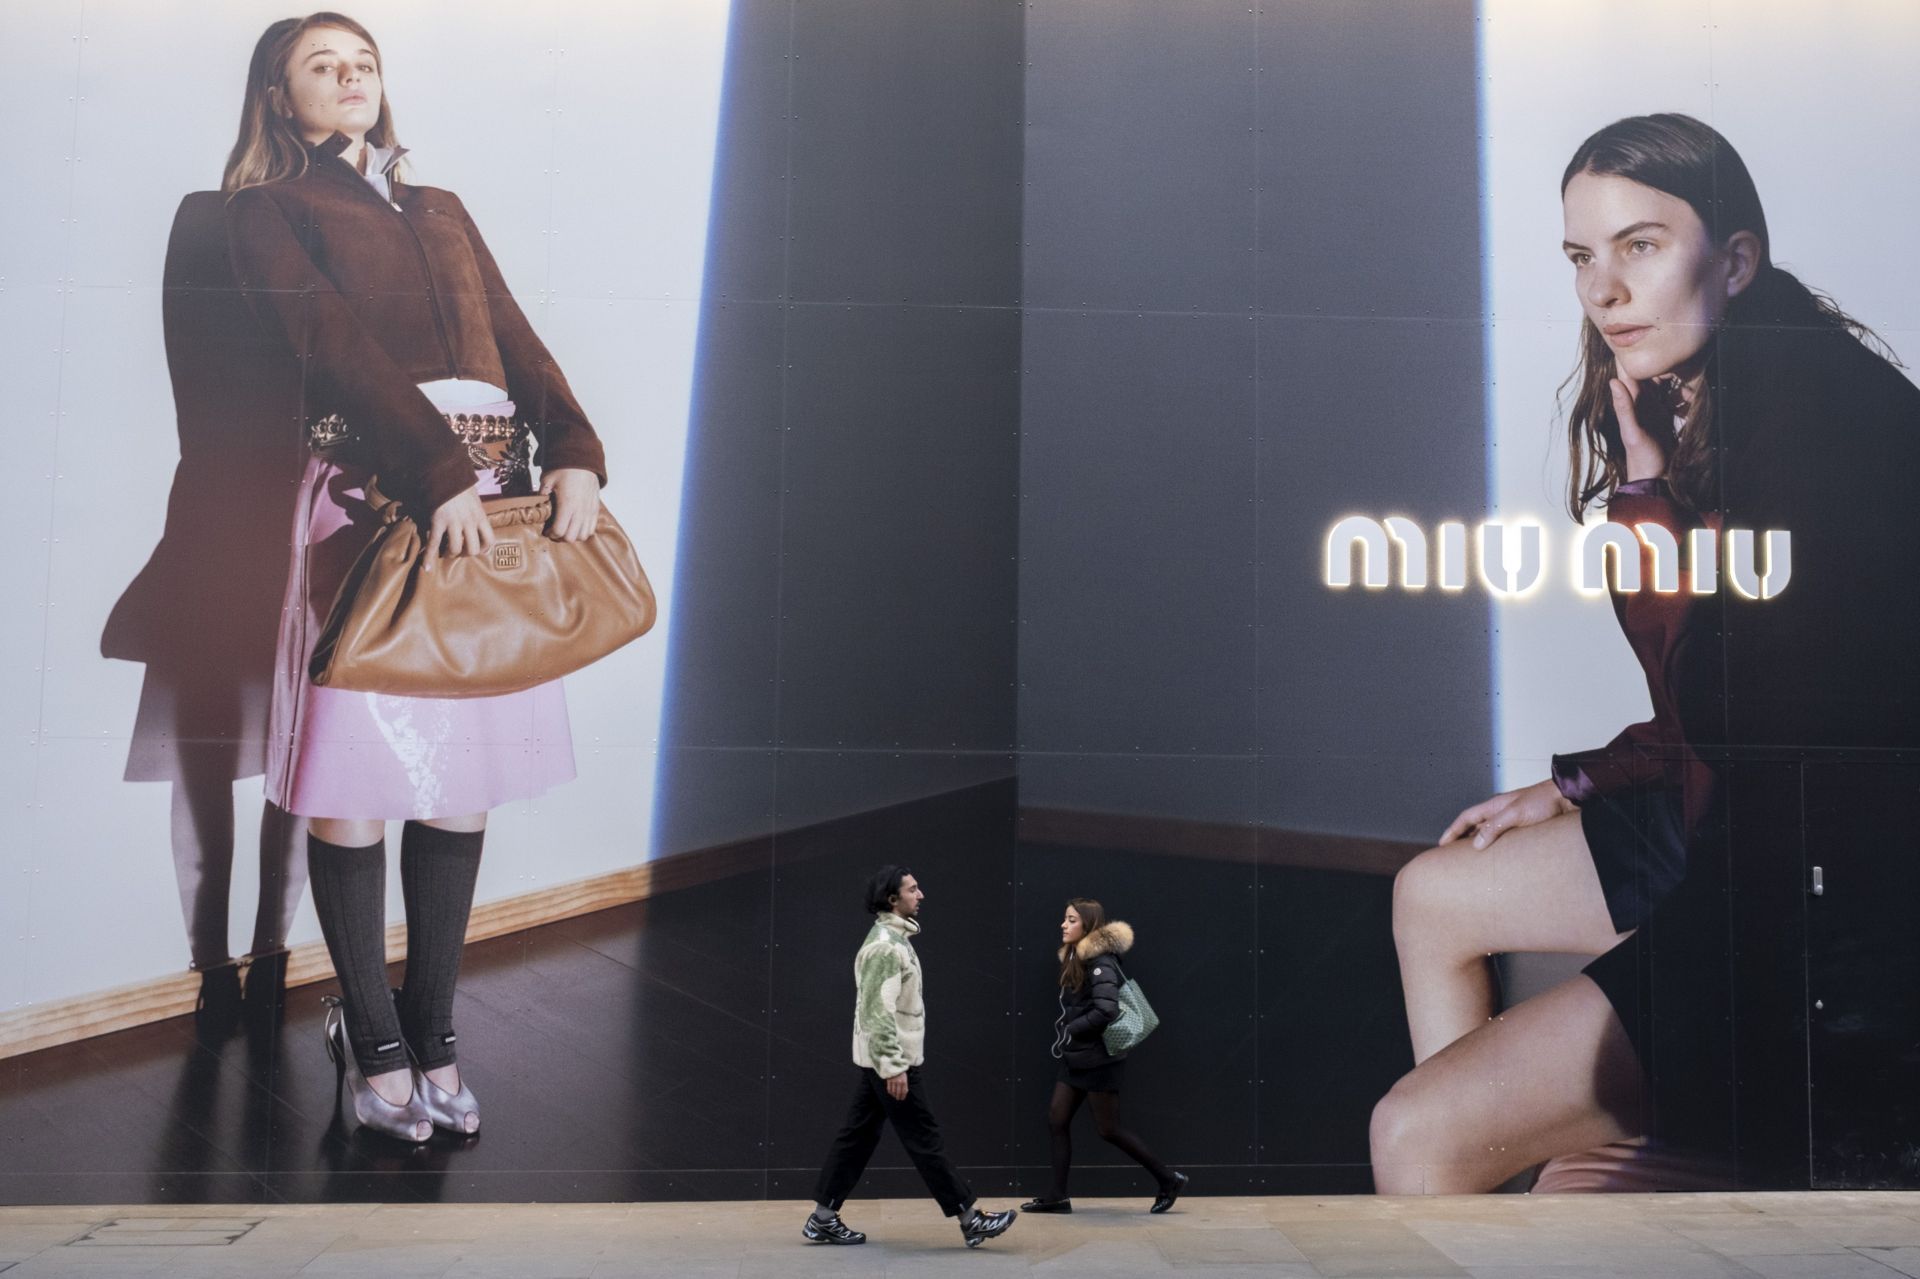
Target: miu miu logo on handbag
506, 555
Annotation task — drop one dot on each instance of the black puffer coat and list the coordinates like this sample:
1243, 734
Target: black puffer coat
1084, 1013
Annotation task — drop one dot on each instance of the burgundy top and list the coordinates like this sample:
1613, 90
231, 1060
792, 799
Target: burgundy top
1652, 754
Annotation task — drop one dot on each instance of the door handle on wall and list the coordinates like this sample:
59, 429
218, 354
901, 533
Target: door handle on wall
1819, 883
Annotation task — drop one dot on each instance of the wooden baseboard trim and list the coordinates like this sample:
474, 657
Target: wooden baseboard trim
1216, 841
40, 1026
35, 1027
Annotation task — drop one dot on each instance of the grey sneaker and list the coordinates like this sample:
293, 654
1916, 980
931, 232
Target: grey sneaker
982, 1226
832, 1230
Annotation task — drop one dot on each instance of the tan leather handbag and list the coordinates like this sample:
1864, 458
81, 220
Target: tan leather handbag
529, 611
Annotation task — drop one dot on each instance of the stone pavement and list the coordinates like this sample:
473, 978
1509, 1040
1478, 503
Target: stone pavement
1832, 1235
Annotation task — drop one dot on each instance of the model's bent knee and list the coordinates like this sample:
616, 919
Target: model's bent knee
1396, 1126
1409, 1139
1423, 909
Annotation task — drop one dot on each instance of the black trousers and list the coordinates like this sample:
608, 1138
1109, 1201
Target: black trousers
919, 1132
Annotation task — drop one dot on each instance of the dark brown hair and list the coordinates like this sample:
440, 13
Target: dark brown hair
883, 887
1073, 973
1689, 160
270, 148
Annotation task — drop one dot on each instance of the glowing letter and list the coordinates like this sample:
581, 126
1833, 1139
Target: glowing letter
1598, 539
1666, 557
1495, 570
1740, 566
1373, 552
1453, 557
1703, 553
1413, 551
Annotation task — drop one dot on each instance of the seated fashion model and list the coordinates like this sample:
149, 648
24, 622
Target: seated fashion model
1714, 390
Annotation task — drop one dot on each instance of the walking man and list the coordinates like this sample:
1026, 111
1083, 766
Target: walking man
889, 1045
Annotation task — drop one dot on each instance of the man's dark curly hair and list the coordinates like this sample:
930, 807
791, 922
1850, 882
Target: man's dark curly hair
884, 887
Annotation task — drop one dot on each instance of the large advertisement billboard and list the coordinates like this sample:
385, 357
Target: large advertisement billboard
1395, 509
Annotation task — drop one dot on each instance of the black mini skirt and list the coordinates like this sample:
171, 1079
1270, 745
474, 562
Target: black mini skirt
1102, 1078
1638, 841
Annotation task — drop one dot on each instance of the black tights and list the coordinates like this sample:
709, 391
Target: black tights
1106, 1118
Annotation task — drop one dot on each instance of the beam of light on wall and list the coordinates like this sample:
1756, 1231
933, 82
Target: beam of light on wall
688, 141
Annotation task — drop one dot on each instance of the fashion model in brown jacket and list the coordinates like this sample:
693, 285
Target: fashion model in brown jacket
378, 296
396, 315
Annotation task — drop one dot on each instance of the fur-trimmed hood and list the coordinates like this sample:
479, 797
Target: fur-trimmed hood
1112, 938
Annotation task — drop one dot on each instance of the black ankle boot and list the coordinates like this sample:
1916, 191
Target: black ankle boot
216, 1012
263, 999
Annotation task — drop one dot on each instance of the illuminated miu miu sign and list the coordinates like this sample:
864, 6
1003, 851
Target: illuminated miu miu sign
1511, 557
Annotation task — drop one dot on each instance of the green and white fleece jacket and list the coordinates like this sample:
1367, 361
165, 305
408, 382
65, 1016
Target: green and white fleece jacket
889, 1017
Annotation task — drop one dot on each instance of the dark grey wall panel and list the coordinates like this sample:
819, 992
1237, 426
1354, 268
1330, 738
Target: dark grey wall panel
715, 795
1369, 158
1376, 711
1210, 788
1365, 715
1140, 155
897, 595
726, 601
847, 571
1137, 533
906, 151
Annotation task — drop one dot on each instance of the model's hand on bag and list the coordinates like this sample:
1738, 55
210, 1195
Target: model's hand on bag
461, 524
1491, 818
576, 503
897, 1087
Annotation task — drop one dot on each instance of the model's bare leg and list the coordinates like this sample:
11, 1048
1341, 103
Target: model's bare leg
1553, 1074
1533, 889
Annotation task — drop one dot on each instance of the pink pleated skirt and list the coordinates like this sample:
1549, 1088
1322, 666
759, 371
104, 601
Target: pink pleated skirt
371, 756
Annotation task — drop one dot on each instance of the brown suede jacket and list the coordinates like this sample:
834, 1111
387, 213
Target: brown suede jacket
375, 300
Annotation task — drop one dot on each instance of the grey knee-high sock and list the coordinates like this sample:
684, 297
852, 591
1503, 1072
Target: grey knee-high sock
350, 896
437, 873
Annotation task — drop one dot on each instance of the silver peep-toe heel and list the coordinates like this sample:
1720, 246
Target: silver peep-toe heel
457, 1112
409, 1122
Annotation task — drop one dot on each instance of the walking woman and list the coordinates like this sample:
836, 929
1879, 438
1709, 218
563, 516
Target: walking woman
419, 368
1090, 981
1715, 391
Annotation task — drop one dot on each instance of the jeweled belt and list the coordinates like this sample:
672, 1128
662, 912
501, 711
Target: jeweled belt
503, 445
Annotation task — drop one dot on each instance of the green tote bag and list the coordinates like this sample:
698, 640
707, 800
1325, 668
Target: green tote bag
1134, 1023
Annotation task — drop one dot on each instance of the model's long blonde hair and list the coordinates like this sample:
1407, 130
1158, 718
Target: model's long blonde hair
270, 148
